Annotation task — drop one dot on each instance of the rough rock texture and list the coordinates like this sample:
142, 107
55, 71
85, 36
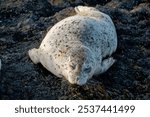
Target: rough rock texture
23, 24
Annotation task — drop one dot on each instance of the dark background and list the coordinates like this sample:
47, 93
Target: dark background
23, 25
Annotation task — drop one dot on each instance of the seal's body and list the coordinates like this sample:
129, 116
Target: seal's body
75, 47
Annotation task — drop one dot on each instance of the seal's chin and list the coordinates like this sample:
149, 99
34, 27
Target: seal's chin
78, 81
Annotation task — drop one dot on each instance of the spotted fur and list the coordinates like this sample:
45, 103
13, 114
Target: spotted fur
75, 47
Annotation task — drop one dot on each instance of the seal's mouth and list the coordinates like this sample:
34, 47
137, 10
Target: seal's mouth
77, 81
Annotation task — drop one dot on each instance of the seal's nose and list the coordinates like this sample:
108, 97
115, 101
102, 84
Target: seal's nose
79, 81
77, 78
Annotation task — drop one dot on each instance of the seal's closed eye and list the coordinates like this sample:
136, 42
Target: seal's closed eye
73, 66
88, 69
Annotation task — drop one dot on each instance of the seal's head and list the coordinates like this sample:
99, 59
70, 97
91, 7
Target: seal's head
80, 65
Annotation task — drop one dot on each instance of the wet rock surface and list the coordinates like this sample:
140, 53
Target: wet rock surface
23, 25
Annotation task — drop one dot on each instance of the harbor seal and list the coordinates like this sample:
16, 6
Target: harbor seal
79, 46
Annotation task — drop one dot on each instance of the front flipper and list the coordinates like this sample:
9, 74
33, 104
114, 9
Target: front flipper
34, 56
105, 65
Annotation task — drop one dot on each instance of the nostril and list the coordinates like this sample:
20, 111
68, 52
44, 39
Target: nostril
78, 78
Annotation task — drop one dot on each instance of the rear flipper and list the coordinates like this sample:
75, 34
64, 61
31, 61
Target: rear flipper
105, 65
85, 11
34, 55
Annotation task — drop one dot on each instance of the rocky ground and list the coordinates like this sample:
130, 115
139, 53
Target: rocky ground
24, 23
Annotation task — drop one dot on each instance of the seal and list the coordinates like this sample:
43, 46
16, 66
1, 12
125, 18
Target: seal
79, 46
